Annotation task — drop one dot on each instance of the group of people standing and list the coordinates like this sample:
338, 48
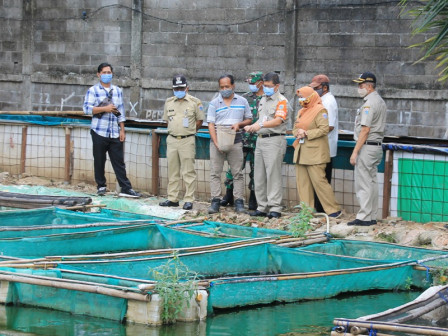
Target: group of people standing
258, 121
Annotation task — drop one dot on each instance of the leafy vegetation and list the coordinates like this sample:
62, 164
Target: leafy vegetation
431, 17
176, 287
300, 223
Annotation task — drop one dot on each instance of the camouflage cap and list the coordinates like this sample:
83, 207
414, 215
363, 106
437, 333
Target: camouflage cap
254, 77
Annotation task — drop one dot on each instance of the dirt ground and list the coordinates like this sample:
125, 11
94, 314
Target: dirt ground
394, 230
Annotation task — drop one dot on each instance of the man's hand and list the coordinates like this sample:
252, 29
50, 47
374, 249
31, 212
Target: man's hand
122, 135
301, 133
236, 127
111, 108
252, 128
353, 159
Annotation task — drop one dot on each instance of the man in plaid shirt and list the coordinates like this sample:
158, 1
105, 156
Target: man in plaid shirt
104, 102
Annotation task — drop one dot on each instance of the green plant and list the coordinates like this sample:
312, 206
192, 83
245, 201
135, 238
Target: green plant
390, 238
300, 223
439, 276
408, 283
430, 20
175, 285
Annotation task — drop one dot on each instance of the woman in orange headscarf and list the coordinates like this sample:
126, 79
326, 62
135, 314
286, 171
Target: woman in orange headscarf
312, 152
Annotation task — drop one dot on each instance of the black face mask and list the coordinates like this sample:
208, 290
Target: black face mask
319, 91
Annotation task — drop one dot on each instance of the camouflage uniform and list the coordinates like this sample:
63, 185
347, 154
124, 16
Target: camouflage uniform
249, 139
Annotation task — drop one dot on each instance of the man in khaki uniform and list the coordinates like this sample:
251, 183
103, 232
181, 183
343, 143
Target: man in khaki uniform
184, 115
270, 148
369, 132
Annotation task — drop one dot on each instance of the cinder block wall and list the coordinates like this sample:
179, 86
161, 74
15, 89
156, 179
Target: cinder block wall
49, 51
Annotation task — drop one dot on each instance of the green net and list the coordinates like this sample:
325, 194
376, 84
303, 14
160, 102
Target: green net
376, 250
77, 302
125, 238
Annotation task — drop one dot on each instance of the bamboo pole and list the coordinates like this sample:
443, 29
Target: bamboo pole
23, 149
123, 293
68, 151
44, 113
155, 163
387, 185
87, 206
394, 327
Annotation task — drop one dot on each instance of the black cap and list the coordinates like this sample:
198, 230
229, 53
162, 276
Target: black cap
366, 77
179, 81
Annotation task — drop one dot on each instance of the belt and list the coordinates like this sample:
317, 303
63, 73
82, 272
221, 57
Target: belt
373, 143
178, 137
269, 135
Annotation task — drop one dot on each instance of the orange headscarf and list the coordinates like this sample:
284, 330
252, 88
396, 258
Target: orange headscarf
307, 114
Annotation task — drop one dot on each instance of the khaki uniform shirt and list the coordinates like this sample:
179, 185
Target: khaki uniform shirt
176, 110
371, 114
270, 108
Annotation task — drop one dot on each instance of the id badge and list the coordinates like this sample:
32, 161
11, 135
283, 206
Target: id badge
302, 140
185, 122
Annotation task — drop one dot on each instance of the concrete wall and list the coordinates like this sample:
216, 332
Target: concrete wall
49, 51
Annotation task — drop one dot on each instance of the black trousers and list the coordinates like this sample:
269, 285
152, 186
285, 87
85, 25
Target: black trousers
328, 173
114, 147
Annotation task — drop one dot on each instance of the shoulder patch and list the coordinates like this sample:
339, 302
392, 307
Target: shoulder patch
201, 107
325, 115
366, 109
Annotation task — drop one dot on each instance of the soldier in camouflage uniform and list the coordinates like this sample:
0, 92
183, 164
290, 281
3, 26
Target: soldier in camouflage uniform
255, 81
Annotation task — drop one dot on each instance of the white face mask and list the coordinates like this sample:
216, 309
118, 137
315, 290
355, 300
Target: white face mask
362, 92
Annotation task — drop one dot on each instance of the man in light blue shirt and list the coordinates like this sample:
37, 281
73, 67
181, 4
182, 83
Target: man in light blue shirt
230, 112
104, 102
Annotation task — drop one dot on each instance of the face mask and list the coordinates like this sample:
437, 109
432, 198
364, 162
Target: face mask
106, 78
362, 92
253, 88
268, 91
304, 101
319, 91
180, 94
226, 93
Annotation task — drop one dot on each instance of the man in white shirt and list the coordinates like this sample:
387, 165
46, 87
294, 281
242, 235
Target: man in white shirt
321, 84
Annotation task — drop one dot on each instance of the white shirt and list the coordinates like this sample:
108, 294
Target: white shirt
331, 105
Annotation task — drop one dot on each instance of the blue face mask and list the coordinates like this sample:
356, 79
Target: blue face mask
253, 88
268, 91
106, 78
180, 94
226, 93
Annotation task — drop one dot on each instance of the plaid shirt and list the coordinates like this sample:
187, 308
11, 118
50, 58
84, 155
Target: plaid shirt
108, 124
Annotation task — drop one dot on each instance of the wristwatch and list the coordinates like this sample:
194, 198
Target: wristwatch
261, 124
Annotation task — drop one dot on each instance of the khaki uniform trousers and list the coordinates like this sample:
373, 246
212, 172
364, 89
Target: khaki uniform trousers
366, 182
269, 154
310, 179
235, 160
180, 154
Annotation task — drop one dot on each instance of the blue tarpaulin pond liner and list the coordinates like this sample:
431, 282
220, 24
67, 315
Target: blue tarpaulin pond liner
44, 120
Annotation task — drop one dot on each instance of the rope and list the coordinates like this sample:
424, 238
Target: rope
372, 332
428, 277
443, 297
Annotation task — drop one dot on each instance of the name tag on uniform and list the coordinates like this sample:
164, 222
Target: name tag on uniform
185, 122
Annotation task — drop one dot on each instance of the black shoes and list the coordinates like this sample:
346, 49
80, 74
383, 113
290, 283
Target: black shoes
168, 203
187, 206
359, 222
130, 193
228, 198
336, 214
258, 213
101, 191
239, 206
252, 201
214, 207
274, 214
